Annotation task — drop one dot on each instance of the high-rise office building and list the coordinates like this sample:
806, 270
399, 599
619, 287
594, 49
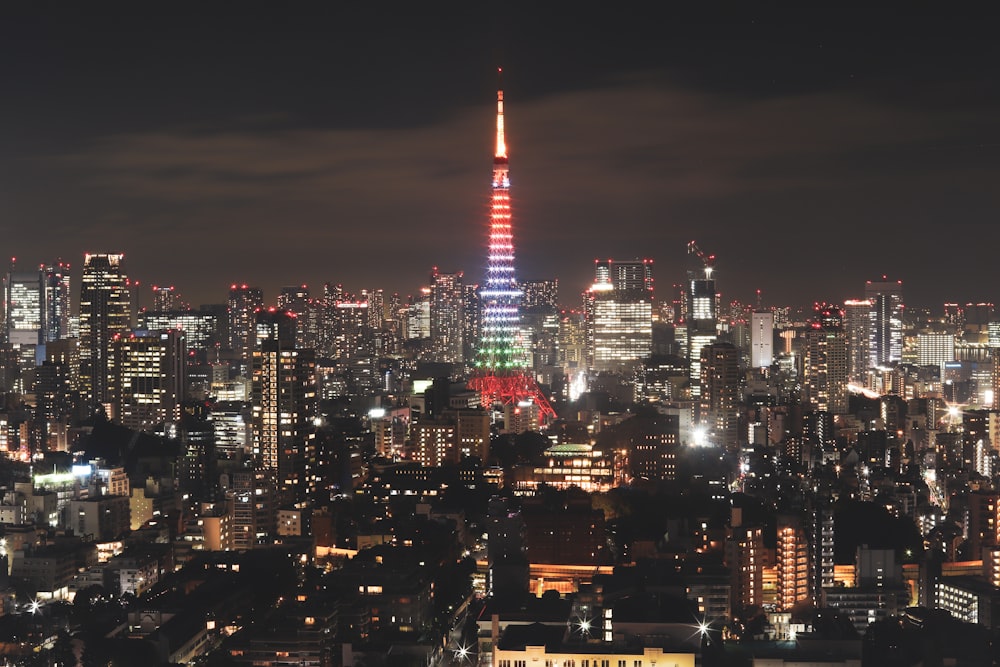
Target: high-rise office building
885, 315
761, 340
935, 349
540, 295
244, 303
164, 297
25, 310
447, 317
702, 322
56, 302
825, 361
284, 405
721, 392
104, 314
620, 314
202, 328
150, 378
857, 324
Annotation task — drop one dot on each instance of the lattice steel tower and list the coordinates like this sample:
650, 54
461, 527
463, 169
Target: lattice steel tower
501, 374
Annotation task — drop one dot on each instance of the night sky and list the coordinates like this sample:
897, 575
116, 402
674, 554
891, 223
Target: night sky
809, 147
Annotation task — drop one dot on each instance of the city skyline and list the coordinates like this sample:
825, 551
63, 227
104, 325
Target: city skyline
809, 153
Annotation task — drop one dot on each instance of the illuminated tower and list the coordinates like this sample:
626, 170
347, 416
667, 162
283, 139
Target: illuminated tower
500, 375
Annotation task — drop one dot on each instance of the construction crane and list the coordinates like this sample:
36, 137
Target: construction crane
707, 261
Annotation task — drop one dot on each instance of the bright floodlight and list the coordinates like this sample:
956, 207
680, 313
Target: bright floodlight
34, 606
584, 625
953, 411
700, 434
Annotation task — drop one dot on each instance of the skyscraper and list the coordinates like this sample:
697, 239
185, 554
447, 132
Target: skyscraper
702, 324
500, 375
886, 319
824, 361
56, 302
24, 307
721, 393
761, 340
857, 324
104, 313
150, 378
447, 317
620, 314
244, 303
284, 404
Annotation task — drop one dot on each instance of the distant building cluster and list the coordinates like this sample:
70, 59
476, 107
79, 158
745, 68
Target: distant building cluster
489, 472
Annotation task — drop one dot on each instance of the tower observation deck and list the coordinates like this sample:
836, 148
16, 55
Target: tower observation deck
501, 374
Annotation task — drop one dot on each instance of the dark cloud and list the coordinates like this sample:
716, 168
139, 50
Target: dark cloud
808, 152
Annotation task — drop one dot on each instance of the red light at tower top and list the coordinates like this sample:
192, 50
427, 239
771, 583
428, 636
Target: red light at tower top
501, 374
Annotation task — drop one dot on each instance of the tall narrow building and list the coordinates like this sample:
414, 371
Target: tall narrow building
501, 375
244, 303
824, 361
857, 324
104, 313
721, 392
761, 340
56, 302
284, 405
702, 323
25, 312
886, 320
447, 317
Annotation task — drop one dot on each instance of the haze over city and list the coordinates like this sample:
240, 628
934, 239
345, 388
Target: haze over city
809, 150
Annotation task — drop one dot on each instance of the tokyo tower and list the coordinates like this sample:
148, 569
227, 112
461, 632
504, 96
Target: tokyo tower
501, 374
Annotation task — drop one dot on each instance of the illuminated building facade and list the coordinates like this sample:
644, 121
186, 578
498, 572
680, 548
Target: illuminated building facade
721, 393
566, 466
761, 340
164, 297
745, 560
56, 302
24, 307
857, 324
500, 375
653, 451
447, 317
284, 406
201, 328
885, 316
150, 378
935, 349
244, 303
792, 563
825, 361
620, 315
702, 323
104, 313
540, 295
